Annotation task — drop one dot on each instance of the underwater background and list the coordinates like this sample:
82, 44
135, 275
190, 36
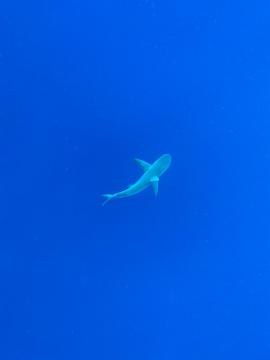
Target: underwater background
86, 87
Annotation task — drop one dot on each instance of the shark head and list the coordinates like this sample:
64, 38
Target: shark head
165, 161
162, 164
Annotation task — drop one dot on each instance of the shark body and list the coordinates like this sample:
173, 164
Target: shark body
152, 173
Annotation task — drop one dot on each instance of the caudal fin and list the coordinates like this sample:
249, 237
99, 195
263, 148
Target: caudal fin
108, 197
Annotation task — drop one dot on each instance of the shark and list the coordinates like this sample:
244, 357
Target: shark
150, 177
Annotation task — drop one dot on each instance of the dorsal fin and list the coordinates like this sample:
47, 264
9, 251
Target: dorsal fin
143, 164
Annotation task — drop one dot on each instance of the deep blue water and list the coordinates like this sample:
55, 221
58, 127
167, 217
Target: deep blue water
87, 86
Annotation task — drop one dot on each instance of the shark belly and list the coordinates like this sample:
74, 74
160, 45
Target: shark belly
132, 190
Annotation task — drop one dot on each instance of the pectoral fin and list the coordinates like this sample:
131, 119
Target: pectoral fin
143, 164
154, 183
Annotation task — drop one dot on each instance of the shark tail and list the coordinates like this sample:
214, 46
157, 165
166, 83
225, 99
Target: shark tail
107, 197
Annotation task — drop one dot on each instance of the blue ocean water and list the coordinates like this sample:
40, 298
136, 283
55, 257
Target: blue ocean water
86, 87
